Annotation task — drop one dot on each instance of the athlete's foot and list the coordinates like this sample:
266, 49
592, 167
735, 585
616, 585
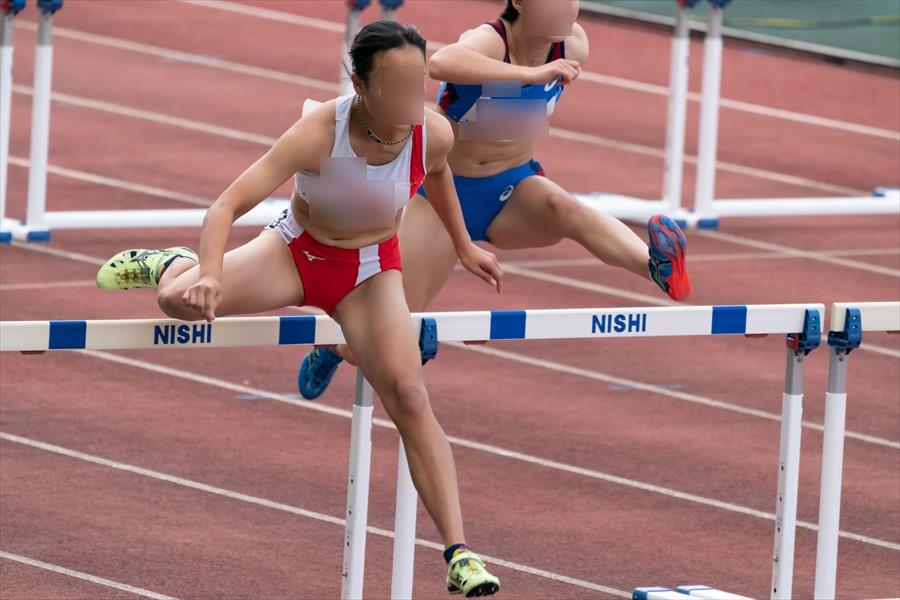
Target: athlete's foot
139, 268
667, 264
466, 575
316, 371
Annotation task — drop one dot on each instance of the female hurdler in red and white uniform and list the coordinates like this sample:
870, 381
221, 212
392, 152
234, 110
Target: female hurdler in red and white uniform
357, 160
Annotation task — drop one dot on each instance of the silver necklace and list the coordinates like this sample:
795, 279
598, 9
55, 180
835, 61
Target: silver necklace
371, 133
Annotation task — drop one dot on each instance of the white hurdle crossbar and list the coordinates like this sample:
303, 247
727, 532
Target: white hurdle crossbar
800, 322
848, 322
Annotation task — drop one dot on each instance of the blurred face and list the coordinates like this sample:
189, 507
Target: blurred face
395, 90
549, 19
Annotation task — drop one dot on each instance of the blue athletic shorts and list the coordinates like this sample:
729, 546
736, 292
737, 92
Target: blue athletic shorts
482, 198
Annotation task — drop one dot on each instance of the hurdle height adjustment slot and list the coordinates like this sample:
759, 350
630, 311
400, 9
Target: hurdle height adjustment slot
851, 337
428, 339
807, 340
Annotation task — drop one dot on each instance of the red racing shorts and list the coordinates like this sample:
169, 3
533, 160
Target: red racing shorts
329, 273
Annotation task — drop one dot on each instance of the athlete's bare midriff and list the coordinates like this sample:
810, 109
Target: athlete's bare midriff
342, 238
483, 158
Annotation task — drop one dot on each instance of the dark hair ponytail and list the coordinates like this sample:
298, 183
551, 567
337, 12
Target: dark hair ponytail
510, 13
378, 36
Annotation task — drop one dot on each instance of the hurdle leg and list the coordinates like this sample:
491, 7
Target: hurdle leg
40, 128
832, 466
788, 477
709, 120
358, 490
350, 33
678, 88
404, 531
6, 62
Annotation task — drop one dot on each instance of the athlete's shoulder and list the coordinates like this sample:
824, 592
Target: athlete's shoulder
319, 112
312, 135
577, 45
485, 40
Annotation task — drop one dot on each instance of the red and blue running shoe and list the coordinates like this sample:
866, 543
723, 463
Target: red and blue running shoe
667, 264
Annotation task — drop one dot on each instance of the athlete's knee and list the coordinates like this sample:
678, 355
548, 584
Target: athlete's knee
344, 351
565, 211
406, 397
170, 300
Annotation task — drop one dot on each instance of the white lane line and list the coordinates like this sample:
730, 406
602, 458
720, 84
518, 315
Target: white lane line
59, 252
186, 57
116, 183
295, 510
124, 587
6, 287
794, 180
892, 352
155, 117
471, 444
797, 252
660, 390
599, 78
656, 300
333, 87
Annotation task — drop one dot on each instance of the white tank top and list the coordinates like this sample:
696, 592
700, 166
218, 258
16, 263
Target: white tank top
406, 171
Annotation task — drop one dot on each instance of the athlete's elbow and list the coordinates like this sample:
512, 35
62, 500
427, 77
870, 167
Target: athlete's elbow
220, 211
439, 64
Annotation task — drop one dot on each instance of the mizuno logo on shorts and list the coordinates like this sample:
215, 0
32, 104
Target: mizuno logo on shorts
311, 257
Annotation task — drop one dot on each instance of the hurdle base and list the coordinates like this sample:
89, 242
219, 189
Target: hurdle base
629, 208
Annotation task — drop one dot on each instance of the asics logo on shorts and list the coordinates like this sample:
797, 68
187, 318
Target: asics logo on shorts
311, 257
504, 196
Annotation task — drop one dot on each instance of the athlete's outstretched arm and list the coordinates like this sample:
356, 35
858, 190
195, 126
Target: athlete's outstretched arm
443, 198
478, 57
300, 147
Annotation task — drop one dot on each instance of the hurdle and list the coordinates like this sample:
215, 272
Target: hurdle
849, 321
707, 210
39, 222
801, 323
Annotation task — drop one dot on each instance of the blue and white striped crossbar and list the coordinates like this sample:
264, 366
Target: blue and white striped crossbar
451, 326
874, 316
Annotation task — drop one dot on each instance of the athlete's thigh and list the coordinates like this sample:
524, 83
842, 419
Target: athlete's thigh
427, 253
256, 277
527, 219
376, 324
